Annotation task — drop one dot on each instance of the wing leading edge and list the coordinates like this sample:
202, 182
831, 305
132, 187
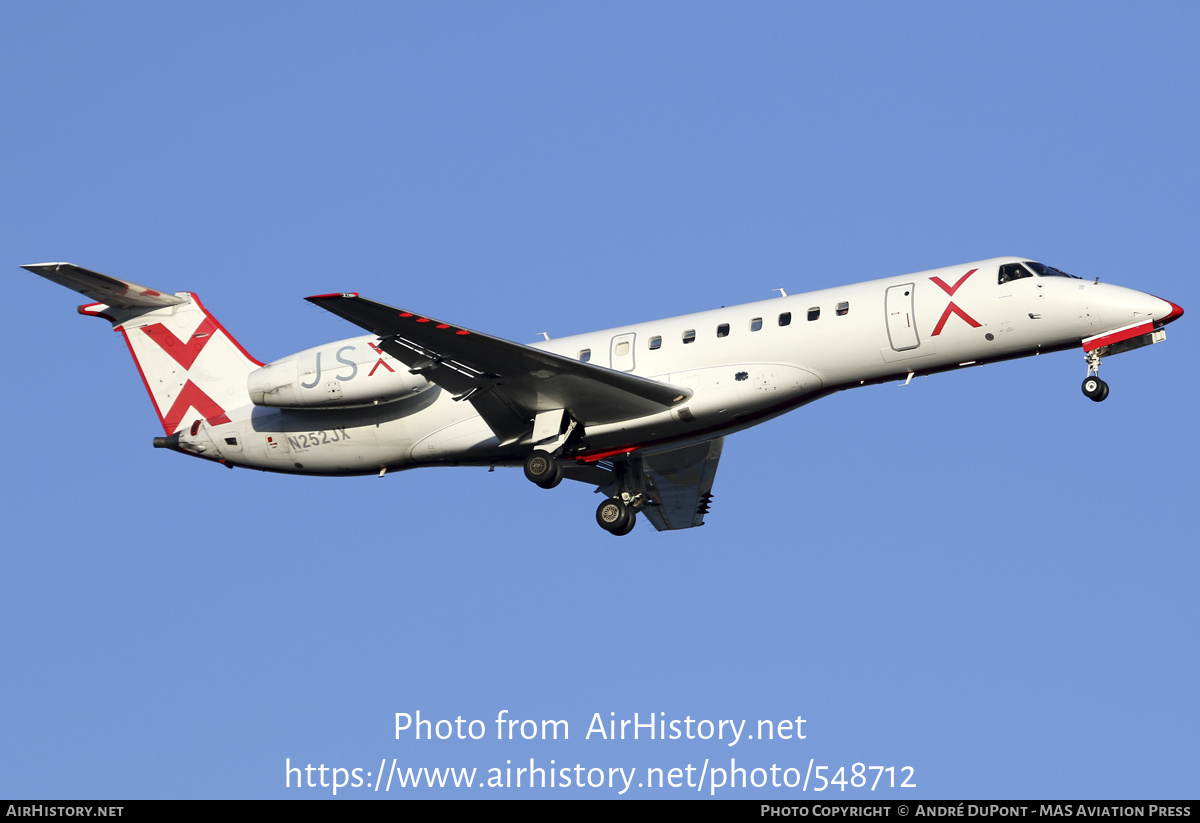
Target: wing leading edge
507, 383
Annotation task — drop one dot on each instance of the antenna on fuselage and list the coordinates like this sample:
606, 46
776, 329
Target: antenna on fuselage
782, 293
545, 334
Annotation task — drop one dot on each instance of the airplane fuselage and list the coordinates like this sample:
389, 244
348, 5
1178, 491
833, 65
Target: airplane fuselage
743, 364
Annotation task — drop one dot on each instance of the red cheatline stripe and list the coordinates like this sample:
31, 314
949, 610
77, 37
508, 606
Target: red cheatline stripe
592, 458
1118, 336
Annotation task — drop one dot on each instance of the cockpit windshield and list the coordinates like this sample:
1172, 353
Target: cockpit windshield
1048, 271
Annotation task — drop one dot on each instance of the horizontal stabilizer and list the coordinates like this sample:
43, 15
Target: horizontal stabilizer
102, 288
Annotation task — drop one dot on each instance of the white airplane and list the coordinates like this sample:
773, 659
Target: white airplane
640, 411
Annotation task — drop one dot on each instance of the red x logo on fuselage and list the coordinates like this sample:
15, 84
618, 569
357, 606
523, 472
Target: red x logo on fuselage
379, 362
953, 308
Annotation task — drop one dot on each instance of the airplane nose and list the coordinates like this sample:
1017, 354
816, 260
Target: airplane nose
1174, 312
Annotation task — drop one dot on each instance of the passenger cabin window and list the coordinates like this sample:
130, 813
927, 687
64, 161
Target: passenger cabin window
723, 330
1013, 271
785, 319
655, 342
585, 355
622, 348
814, 312
689, 336
756, 324
843, 309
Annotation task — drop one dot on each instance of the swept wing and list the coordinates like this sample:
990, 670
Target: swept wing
507, 383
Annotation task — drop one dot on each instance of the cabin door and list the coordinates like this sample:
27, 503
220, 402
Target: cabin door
901, 322
621, 356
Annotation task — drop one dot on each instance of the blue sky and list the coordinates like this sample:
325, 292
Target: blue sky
982, 575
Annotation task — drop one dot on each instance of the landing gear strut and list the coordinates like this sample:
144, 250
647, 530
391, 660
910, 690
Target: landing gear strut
1093, 387
626, 492
553, 429
618, 514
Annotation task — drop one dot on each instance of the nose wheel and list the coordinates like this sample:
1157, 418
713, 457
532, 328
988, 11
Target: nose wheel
1095, 389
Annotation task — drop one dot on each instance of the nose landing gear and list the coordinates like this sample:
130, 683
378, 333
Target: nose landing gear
1093, 387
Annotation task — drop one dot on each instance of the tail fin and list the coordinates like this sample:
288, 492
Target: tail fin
191, 366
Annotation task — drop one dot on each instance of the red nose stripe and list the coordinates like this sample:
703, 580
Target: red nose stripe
1127, 333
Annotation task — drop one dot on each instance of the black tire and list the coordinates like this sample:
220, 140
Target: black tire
631, 522
1093, 388
613, 516
541, 468
1103, 393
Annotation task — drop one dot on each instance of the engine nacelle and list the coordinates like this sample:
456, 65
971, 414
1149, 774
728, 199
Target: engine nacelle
352, 372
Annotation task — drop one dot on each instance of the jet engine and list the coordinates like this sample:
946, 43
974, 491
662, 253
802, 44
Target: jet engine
354, 372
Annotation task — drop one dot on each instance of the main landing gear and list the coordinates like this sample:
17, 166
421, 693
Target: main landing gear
618, 513
541, 468
615, 517
1093, 387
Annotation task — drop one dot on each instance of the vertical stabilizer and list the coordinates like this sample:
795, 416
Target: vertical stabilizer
191, 366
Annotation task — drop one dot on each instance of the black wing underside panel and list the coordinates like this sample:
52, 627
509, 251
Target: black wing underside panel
679, 484
508, 383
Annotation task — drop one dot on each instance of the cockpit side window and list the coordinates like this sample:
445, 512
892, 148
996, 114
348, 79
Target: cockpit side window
1013, 271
